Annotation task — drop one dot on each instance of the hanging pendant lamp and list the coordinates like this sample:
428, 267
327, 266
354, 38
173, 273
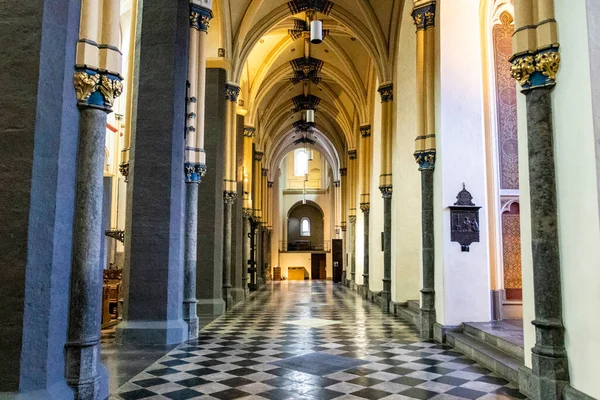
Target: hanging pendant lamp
316, 31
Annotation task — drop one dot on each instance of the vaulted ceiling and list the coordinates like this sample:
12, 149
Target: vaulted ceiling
275, 65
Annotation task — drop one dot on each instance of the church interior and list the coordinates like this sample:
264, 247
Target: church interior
300, 199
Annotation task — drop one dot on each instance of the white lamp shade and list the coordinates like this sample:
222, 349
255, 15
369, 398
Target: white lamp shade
316, 31
310, 116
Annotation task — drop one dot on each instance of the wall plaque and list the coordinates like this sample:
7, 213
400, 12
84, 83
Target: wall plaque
464, 220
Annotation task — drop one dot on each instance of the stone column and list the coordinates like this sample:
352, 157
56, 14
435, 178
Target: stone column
424, 18
535, 67
153, 273
229, 198
343, 199
38, 148
385, 186
365, 200
195, 160
96, 92
247, 250
351, 189
247, 211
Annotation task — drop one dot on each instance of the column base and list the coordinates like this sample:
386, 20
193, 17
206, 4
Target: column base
86, 376
541, 388
238, 295
427, 323
497, 296
386, 299
58, 391
152, 332
211, 308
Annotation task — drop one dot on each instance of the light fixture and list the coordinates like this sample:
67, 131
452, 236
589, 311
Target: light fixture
310, 116
316, 31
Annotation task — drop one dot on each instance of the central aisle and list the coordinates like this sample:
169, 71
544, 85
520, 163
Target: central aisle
313, 340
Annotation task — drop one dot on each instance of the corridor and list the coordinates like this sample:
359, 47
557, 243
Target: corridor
313, 340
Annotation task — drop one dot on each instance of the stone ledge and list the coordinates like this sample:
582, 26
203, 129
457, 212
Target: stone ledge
571, 393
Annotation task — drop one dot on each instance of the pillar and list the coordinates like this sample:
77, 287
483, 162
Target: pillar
230, 185
195, 158
351, 204
153, 273
535, 66
209, 276
97, 83
39, 140
237, 218
265, 262
385, 186
425, 152
365, 202
247, 211
342, 199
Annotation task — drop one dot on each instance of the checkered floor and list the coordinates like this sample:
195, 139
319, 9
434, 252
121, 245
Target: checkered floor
313, 340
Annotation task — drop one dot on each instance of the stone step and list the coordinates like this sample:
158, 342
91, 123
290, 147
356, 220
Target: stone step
502, 344
414, 305
501, 363
408, 314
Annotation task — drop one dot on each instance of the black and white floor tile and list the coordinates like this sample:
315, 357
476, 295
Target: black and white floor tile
313, 340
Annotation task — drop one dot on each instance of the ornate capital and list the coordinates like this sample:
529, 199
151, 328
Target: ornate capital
337, 184
536, 70
194, 172
247, 212
424, 16
352, 154
200, 17
229, 197
352, 219
343, 171
386, 191
365, 131
249, 132
232, 92
265, 172
258, 155
270, 185
365, 207
124, 170
116, 234
425, 159
94, 89
386, 92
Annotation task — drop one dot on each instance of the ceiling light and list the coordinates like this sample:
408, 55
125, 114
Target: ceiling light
310, 116
316, 31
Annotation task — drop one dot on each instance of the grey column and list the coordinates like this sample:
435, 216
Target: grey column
238, 263
550, 365
38, 148
386, 294
260, 279
247, 250
154, 242
229, 198
366, 209
428, 256
191, 251
209, 275
83, 343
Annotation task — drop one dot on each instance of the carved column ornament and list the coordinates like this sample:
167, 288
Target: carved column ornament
365, 207
386, 191
352, 219
536, 70
424, 16
258, 155
386, 92
337, 184
232, 92
200, 17
95, 89
229, 197
352, 154
365, 131
270, 185
249, 132
343, 171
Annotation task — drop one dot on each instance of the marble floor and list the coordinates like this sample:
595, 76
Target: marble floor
313, 340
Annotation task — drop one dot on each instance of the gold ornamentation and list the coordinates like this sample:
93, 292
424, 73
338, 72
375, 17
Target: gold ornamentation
522, 68
418, 19
429, 18
110, 89
547, 63
365, 207
85, 85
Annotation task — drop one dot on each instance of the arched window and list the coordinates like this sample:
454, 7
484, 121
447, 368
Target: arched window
305, 227
300, 162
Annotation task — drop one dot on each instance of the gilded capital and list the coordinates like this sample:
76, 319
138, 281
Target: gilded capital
337, 184
249, 132
194, 172
425, 159
232, 92
352, 154
386, 191
352, 219
229, 197
536, 70
265, 172
95, 89
200, 17
343, 171
386, 92
365, 131
258, 155
424, 16
365, 207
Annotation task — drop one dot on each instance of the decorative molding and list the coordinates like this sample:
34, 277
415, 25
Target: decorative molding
536, 70
247, 212
365, 131
265, 172
258, 155
352, 154
305, 140
343, 171
352, 219
249, 132
232, 92
386, 191
200, 17
337, 184
303, 102
229, 197
95, 89
425, 159
124, 170
365, 207
306, 69
221, 52
270, 185
298, 6
386, 92
424, 16
116, 234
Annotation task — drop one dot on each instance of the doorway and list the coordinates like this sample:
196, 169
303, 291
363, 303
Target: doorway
318, 270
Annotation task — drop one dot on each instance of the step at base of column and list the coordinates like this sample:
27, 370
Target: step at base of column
408, 313
505, 344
